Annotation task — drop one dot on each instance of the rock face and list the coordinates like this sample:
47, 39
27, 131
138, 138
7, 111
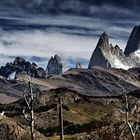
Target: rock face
98, 57
55, 66
21, 66
133, 43
106, 55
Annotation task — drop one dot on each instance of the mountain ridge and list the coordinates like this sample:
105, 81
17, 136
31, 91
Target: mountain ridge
96, 82
113, 56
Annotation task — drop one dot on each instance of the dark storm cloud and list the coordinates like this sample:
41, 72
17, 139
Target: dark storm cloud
38, 59
82, 7
57, 3
120, 3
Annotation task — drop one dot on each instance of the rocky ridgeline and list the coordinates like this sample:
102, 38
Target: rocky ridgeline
21, 66
106, 55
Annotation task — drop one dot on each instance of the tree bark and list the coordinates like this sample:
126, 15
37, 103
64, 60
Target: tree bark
61, 119
31, 112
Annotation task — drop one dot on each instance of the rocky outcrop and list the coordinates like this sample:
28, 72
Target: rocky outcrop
55, 66
116, 51
21, 66
133, 43
10, 129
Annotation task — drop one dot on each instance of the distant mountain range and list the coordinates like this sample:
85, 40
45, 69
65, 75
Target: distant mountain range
105, 55
22, 67
105, 76
96, 82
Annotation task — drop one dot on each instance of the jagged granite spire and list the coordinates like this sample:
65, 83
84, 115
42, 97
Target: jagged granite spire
98, 57
133, 43
55, 65
103, 42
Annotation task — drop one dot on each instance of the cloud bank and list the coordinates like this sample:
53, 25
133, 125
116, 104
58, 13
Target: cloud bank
73, 40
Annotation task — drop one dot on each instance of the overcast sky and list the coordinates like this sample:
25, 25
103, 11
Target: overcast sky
38, 29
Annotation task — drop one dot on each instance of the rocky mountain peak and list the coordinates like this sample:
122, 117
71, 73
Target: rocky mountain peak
117, 51
57, 58
133, 43
21, 66
55, 65
103, 42
19, 60
106, 55
100, 53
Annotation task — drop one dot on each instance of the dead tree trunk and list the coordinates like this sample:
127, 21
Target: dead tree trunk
30, 118
31, 111
132, 125
61, 119
133, 129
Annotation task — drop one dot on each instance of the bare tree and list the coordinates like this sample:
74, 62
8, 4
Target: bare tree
29, 101
61, 118
133, 125
28, 97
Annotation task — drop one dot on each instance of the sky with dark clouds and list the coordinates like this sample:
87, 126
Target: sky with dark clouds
38, 29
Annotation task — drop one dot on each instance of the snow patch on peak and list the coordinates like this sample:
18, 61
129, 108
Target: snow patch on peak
136, 53
119, 64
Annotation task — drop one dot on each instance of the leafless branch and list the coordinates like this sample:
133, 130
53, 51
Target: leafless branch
132, 126
26, 116
26, 100
13, 85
